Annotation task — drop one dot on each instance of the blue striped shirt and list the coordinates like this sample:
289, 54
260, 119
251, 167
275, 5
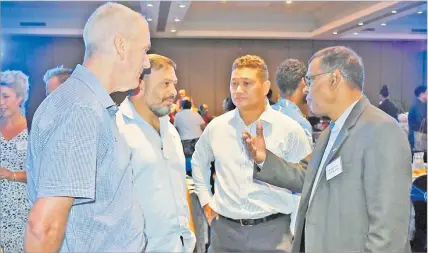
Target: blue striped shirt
75, 150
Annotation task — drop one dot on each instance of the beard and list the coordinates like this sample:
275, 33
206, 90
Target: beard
160, 110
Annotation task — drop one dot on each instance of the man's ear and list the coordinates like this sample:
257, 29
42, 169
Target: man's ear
266, 87
119, 44
335, 79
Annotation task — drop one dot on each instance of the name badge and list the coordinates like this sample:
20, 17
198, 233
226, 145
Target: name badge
334, 169
21, 145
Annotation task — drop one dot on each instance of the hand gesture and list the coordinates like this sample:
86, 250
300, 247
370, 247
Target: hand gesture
256, 145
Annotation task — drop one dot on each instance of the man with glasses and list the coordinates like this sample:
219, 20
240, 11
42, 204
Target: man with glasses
356, 188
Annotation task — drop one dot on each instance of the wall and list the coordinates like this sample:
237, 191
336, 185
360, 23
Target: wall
204, 65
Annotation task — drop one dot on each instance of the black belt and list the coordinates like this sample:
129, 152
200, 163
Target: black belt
253, 222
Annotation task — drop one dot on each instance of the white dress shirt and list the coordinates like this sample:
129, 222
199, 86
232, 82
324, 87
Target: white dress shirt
333, 136
188, 124
159, 175
237, 196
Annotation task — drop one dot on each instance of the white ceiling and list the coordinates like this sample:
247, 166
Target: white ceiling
233, 19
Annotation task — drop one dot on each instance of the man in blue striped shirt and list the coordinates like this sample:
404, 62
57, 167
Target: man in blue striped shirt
79, 172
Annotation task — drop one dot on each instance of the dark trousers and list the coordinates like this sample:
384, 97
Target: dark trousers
270, 236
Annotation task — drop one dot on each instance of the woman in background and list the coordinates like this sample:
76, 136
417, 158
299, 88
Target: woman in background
13, 149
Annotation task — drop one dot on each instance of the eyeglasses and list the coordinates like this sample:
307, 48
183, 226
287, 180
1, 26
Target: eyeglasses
310, 78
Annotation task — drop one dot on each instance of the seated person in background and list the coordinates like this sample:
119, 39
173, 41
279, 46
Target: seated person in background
203, 111
190, 126
386, 104
157, 159
53, 78
403, 122
181, 97
290, 79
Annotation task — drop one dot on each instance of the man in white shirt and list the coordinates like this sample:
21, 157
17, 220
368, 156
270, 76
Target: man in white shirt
157, 158
244, 214
189, 125
356, 188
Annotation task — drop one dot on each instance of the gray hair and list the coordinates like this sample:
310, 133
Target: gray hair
17, 81
289, 74
346, 61
62, 73
109, 20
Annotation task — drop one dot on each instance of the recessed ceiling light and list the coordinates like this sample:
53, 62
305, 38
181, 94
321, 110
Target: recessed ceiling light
173, 30
149, 5
149, 19
355, 33
383, 24
177, 20
334, 33
182, 6
361, 23
420, 12
288, 2
393, 12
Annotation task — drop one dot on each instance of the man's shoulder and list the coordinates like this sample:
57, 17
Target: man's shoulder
376, 123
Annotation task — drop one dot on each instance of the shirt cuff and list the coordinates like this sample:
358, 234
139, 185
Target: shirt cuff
204, 197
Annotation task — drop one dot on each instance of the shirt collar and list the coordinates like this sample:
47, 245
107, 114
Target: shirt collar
87, 77
268, 115
338, 124
128, 110
287, 103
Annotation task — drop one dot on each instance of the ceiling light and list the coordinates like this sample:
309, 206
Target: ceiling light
149, 5
177, 20
420, 12
361, 23
288, 2
149, 19
173, 30
393, 12
383, 24
334, 33
355, 33
182, 6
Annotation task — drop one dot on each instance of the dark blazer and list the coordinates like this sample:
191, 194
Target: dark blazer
389, 108
366, 208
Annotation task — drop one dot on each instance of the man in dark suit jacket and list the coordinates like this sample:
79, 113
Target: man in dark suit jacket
355, 190
386, 104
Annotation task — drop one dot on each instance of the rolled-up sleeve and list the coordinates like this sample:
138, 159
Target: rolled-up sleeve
68, 167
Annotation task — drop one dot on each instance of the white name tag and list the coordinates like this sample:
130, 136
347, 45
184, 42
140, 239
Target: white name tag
21, 145
334, 168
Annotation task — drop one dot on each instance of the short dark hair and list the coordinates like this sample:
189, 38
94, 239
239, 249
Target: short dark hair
384, 91
289, 75
420, 89
186, 104
346, 61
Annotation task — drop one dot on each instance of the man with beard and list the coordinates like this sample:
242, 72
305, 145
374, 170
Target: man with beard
157, 158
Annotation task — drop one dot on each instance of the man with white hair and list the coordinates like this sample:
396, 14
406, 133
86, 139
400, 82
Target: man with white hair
53, 78
79, 177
